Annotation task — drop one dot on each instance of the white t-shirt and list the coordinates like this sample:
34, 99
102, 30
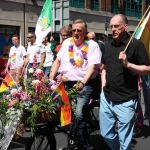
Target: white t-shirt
35, 50
49, 56
74, 73
16, 55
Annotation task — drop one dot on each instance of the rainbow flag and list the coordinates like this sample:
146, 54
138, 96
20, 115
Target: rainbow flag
13, 57
143, 33
7, 83
65, 116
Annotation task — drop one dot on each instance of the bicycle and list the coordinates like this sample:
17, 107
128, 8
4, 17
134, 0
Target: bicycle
43, 139
92, 124
44, 136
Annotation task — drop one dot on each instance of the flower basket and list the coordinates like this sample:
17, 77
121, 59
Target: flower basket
45, 116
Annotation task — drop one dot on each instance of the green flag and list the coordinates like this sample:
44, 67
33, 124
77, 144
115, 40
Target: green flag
44, 23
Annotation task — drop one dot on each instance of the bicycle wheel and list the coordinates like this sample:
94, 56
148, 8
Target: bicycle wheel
42, 142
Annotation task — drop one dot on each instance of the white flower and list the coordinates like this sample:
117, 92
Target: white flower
38, 71
35, 82
13, 91
53, 87
31, 70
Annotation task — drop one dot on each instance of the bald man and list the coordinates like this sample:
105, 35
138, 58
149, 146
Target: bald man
91, 36
120, 85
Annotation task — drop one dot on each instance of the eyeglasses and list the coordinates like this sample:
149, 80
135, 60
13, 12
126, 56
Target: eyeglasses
77, 30
29, 37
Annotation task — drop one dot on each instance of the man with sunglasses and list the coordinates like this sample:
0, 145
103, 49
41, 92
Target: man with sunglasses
78, 61
35, 52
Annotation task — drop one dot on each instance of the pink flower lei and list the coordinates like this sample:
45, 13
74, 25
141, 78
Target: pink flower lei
78, 61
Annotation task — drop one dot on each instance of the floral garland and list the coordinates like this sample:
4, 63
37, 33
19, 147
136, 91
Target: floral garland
78, 61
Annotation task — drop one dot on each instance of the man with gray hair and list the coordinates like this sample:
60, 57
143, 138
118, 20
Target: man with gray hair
120, 85
78, 61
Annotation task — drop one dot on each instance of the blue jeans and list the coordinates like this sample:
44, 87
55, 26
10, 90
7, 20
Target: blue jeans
117, 122
47, 71
79, 126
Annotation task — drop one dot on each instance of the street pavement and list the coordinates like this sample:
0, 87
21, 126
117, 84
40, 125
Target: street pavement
140, 143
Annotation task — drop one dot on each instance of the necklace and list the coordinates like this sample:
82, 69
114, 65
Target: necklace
77, 59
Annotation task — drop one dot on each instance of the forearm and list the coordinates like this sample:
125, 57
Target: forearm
26, 61
42, 59
103, 77
88, 74
139, 69
54, 69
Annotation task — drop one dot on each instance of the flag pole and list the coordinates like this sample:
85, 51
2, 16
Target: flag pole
137, 28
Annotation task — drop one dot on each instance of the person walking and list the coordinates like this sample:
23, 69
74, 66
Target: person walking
35, 53
17, 59
120, 85
49, 56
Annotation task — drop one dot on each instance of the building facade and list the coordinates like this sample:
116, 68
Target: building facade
20, 16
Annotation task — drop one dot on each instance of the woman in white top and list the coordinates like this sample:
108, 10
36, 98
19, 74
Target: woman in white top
17, 58
49, 56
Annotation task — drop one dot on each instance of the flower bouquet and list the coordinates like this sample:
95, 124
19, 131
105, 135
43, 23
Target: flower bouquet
33, 99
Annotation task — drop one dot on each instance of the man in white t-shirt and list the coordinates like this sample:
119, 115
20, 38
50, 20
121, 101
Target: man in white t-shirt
35, 52
78, 61
17, 58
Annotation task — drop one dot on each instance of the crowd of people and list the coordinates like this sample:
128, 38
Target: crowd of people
87, 63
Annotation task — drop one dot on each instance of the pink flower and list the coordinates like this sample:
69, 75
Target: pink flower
12, 103
35, 82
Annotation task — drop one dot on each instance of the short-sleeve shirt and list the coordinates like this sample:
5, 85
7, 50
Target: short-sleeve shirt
16, 55
74, 73
122, 83
35, 50
49, 56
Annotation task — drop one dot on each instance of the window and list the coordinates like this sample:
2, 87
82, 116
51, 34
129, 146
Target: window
95, 5
31, 29
129, 7
6, 33
77, 3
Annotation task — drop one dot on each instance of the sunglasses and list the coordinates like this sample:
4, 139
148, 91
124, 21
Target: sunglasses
77, 30
29, 37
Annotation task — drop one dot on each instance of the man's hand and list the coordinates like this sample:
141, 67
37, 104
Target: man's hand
123, 58
79, 86
23, 71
